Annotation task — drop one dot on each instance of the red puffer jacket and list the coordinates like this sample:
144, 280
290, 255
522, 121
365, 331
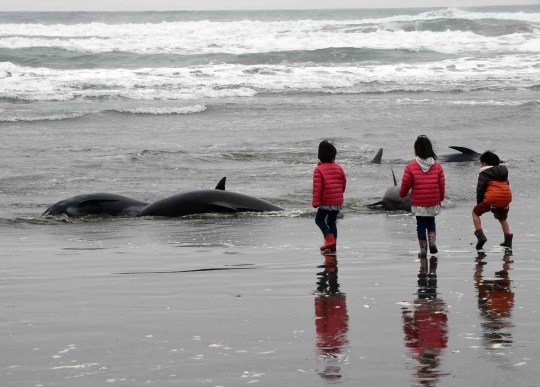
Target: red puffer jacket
329, 182
428, 188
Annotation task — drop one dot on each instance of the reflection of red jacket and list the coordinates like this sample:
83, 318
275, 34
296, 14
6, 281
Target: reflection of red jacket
427, 327
497, 298
331, 323
329, 182
428, 188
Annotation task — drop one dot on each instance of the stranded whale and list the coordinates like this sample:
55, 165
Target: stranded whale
96, 204
207, 201
464, 155
391, 201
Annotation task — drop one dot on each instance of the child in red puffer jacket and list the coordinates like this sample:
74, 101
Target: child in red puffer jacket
426, 178
329, 182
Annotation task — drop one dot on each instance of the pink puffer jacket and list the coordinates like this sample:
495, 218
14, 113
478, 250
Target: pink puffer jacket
428, 188
329, 182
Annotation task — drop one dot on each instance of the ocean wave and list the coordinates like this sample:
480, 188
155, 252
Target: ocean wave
417, 101
247, 37
27, 116
164, 110
489, 27
52, 117
61, 59
222, 81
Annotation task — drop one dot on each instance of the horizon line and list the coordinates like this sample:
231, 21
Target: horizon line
278, 9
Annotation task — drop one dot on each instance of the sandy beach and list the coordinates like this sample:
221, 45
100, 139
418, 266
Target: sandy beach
187, 304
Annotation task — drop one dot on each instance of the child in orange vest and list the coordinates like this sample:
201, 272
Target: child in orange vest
492, 194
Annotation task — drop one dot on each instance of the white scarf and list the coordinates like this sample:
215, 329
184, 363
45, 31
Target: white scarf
425, 164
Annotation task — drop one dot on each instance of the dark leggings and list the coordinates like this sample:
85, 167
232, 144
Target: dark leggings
424, 224
326, 220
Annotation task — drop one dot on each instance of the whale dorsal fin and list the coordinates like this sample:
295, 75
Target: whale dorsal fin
394, 176
465, 151
221, 184
378, 157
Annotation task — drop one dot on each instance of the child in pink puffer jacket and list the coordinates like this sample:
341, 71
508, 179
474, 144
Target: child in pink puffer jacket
329, 182
426, 178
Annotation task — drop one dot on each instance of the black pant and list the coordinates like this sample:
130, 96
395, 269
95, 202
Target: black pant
326, 220
424, 224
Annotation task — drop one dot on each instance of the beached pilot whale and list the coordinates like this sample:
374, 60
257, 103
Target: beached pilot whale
391, 201
96, 204
464, 155
207, 201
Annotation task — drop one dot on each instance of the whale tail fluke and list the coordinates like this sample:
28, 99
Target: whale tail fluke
394, 176
378, 157
221, 184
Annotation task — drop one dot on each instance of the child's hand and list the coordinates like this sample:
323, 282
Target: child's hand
402, 199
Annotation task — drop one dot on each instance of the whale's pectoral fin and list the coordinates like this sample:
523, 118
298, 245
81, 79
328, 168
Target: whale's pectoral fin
48, 210
96, 202
378, 158
465, 151
226, 207
221, 184
381, 203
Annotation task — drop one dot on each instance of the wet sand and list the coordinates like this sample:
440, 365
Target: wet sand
228, 301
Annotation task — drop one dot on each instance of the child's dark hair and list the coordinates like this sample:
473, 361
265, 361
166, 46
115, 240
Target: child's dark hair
490, 158
327, 151
423, 148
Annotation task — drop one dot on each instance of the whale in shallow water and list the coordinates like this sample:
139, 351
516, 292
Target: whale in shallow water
464, 155
96, 204
207, 201
391, 201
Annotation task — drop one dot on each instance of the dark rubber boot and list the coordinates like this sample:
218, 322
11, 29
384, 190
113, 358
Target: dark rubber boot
432, 239
481, 239
507, 241
423, 249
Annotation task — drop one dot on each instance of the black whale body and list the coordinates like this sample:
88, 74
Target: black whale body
206, 201
96, 204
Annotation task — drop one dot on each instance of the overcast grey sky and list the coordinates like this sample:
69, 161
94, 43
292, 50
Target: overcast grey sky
163, 5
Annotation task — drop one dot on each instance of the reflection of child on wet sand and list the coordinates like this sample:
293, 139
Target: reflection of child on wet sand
492, 194
495, 303
331, 320
426, 327
329, 182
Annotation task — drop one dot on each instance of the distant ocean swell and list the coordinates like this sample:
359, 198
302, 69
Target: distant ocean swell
237, 39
